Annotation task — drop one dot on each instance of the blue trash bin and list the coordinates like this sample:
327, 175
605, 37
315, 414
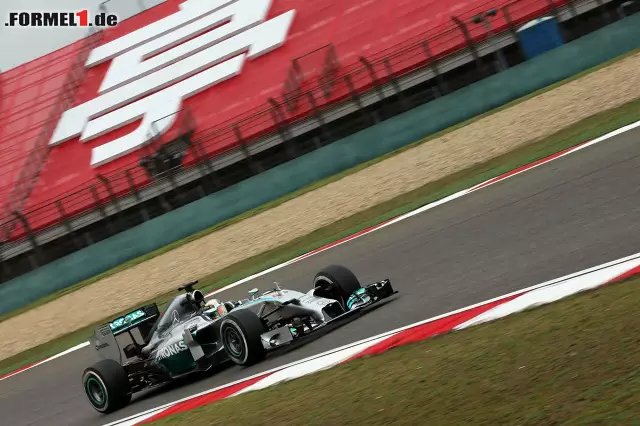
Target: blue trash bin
539, 36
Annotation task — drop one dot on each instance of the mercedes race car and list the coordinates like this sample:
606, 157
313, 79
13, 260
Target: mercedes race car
144, 349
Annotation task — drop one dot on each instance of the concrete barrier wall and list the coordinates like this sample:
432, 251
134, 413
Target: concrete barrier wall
370, 143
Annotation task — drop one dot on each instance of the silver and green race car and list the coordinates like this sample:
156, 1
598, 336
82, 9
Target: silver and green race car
144, 349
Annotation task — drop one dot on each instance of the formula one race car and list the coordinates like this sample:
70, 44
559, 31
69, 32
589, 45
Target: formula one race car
144, 348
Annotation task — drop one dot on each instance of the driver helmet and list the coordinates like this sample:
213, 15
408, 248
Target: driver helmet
215, 308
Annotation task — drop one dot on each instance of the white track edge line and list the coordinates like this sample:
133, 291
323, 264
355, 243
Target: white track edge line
564, 154
435, 204
51, 358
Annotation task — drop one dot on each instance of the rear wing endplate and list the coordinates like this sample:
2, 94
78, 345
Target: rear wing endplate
105, 343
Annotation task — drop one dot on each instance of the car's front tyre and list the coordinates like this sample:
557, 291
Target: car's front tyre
106, 385
241, 332
336, 282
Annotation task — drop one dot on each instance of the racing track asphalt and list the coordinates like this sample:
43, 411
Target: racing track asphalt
565, 216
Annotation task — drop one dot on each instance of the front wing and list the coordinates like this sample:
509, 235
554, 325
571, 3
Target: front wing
361, 299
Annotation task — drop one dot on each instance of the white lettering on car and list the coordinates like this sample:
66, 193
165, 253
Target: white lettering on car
171, 350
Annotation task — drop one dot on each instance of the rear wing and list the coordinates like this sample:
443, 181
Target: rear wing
104, 338
146, 315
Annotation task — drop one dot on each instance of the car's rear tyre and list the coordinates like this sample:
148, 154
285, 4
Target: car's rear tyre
240, 331
107, 386
337, 282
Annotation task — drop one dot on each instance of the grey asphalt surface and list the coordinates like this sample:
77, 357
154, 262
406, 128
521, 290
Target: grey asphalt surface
571, 214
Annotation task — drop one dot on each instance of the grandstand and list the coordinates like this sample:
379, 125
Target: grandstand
342, 85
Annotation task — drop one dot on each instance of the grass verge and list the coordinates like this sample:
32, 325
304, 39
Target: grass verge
295, 194
593, 127
576, 362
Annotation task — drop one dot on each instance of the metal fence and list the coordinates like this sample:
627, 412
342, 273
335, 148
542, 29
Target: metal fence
316, 84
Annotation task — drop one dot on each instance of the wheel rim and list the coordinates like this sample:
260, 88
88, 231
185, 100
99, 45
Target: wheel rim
95, 392
233, 342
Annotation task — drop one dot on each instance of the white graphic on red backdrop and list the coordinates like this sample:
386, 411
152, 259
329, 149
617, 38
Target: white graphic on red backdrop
155, 67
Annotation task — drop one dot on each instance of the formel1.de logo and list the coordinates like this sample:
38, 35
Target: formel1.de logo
60, 19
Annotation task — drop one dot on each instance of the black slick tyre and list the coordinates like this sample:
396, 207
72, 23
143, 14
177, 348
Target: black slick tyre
106, 385
240, 331
337, 282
